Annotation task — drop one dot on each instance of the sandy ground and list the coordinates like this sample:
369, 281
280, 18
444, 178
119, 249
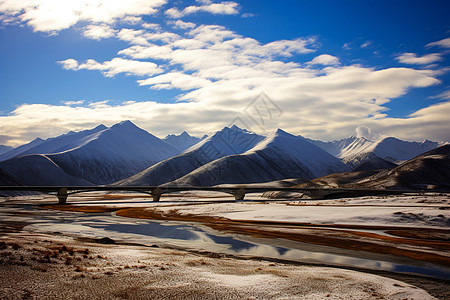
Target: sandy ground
53, 266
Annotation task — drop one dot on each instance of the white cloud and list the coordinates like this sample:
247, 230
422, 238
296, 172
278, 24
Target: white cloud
114, 67
248, 15
131, 20
53, 16
69, 64
366, 44
182, 24
222, 8
412, 58
142, 37
176, 80
325, 59
221, 72
445, 43
443, 95
80, 102
98, 32
152, 26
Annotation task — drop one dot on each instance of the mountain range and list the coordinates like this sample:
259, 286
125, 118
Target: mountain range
281, 155
228, 141
182, 141
430, 170
355, 151
124, 154
98, 156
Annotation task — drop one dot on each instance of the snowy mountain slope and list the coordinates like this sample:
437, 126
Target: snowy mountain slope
390, 149
182, 141
100, 156
344, 147
355, 151
19, 150
57, 144
38, 169
225, 142
279, 156
4, 149
113, 154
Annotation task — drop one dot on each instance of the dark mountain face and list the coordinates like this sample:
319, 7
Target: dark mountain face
430, 170
6, 179
375, 163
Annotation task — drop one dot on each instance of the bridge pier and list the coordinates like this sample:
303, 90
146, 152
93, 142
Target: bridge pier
239, 194
62, 195
156, 194
316, 194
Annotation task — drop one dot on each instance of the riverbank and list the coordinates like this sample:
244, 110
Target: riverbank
38, 252
41, 266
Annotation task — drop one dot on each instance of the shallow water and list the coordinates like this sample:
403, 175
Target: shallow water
202, 238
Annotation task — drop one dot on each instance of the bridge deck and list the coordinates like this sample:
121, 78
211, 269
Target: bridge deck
238, 191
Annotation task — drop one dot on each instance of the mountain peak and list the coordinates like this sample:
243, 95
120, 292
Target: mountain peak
124, 125
100, 127
185, 134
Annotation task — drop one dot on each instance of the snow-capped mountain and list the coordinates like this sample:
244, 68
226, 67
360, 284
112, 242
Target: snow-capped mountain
19, 150
281, 155
355, 151
390, 149
57, 144
4, 149
182, 141
344, 147
227, 141
102, 156
429, 170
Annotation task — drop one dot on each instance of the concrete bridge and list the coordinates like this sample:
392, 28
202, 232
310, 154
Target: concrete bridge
238, 191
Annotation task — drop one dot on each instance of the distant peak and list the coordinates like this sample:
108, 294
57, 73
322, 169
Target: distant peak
281, 132
390, 138
184, 133
124, 124
100, 127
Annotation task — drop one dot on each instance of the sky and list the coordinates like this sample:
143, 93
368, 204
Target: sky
322, 69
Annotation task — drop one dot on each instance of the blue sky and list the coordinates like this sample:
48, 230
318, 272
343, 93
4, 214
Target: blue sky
333, 68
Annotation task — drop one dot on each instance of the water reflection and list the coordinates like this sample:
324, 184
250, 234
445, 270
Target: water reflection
201, 238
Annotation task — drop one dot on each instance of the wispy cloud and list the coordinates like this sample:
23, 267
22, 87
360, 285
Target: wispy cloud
412, 58
222, 8
366, 44
115, 66
445, 43
98, 32
80, 102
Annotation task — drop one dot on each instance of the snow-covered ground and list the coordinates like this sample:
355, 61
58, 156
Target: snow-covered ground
416, 211
87, 270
